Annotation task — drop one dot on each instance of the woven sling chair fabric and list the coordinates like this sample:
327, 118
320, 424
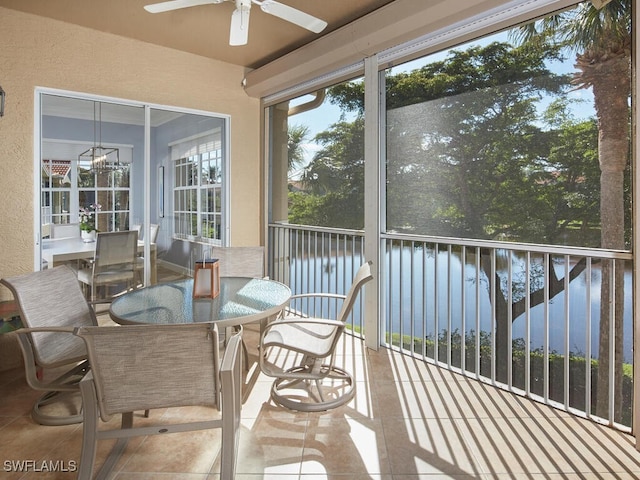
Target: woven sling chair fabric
158, 366
52, 298
316, 340
139, 367
240, 261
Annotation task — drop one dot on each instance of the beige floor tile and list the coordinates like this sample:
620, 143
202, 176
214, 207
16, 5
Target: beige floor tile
392, 366
535, 408
271, 444
601, 449
20, 400
528, 446
163, 476
7, 377
28, 447
260, 476
436, 476
427, 446
415, 400
484, 400
408, 420
354, 446
187, 452
345, 476
563, 476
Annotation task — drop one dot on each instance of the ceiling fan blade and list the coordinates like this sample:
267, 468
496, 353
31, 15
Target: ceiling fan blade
177, 4
239, 31
292, 15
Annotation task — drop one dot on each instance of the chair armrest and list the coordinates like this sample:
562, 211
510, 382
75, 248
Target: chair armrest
297, 320
33, 371
319, 295
44, 329
317, 300
291, 320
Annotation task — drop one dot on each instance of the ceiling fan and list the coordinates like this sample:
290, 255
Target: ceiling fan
239, 32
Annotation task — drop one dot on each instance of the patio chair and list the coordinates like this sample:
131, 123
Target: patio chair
313, 342
64, 230
113, 263
153, 237
52, 298
240, 261
136, 367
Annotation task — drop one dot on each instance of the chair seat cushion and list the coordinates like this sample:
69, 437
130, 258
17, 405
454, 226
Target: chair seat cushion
85, 276
307, 335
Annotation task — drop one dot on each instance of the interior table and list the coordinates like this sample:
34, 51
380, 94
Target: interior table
59, 250
241, 300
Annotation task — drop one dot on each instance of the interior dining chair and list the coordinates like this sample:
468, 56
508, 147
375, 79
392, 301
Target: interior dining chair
153, 237
311, 342
153, 232
138, 228
113, 264
52, 298
136, 367
64, 230
240, 261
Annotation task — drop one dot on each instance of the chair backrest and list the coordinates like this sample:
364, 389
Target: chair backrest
363, 275
153, 232
240, 261
154, 228
140, 367
64, 230
52, 298
115, 253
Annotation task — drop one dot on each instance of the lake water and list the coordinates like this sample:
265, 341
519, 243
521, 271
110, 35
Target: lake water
419, 304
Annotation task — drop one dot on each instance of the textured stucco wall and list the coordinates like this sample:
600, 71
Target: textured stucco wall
38, 52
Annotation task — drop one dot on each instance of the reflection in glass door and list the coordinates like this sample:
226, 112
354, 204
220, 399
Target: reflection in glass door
170, 185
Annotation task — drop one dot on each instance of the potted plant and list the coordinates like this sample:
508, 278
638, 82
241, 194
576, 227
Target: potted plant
88, 217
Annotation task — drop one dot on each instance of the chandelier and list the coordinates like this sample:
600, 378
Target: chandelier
101, 159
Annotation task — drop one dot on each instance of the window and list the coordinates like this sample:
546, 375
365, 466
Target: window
69, 185
56, 191
197, 164
110, 190
492, 140
323, 146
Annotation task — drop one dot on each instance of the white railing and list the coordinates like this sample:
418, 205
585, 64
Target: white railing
312, 259
522, 317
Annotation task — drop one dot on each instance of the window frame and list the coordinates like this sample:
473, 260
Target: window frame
191, 191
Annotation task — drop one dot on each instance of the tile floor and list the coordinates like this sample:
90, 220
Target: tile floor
408, 421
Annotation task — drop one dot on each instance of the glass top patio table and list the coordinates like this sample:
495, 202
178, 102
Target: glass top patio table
241, 300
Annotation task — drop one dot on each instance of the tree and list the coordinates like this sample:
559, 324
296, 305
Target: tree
335, 177
467, 157
476, 112
297, 135
601, 40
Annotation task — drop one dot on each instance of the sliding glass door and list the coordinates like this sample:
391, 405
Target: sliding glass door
113, 165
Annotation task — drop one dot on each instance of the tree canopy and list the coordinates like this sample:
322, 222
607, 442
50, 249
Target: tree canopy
469, 152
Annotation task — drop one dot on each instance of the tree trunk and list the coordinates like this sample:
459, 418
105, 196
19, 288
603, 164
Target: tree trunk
610, 88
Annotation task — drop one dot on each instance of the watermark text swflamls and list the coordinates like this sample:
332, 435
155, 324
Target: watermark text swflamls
40, 466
